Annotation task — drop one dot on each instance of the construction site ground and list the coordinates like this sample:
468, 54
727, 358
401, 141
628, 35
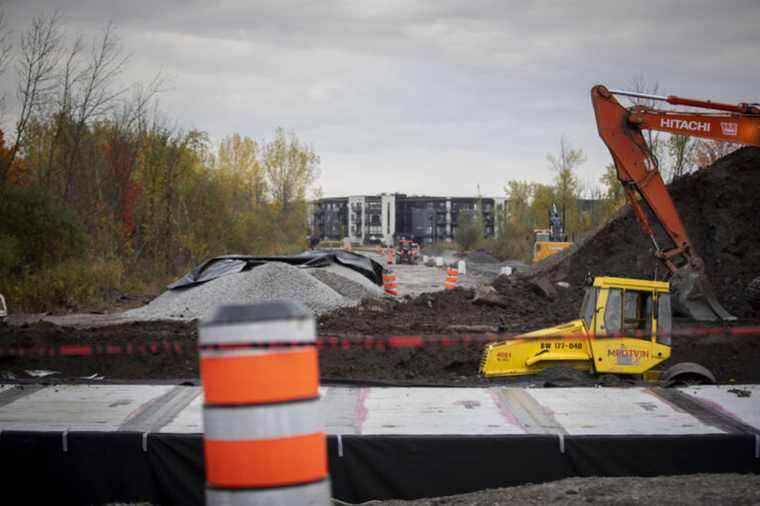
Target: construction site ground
731, 358
691, 490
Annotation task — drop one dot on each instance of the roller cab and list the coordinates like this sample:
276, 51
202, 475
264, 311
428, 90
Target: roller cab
624, 328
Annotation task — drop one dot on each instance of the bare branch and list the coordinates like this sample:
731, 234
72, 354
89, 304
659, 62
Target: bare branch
40, 50
6, 49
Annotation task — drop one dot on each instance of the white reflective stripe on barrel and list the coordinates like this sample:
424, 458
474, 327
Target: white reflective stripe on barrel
267, 331
247, 352
312, 494
262, 422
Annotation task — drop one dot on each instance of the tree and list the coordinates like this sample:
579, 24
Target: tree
237, 160
5, 53
707, 152
291, 167
542, 198
613, 195
517, 207
94, 95
639, 85
469, 231
36, 69
567, 187
681, 151
612, 186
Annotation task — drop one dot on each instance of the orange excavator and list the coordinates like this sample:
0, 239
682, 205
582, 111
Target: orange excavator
621, 130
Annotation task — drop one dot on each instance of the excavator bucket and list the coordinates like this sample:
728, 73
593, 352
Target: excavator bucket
694, 297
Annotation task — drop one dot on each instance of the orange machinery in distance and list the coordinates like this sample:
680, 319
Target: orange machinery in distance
621, 130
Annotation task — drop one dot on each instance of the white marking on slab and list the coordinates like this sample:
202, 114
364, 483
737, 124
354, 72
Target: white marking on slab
339, 410
615, 411
524, 409
78, 407
3, 388
189, 420
719, 398
435, 411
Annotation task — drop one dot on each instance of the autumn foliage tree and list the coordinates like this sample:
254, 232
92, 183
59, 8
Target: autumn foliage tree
99, 191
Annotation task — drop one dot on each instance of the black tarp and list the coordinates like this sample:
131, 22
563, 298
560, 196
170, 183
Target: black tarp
101, 467
232, 264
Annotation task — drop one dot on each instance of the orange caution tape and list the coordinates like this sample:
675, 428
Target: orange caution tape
267, 462
254, 379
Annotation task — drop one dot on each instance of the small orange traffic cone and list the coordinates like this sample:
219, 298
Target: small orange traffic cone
452, 274
390, 286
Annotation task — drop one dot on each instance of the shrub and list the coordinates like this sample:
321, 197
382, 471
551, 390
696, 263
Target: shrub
42, 232
469, 231
65, 286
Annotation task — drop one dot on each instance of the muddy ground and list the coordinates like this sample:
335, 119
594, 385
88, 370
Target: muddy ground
691, 490
732, 359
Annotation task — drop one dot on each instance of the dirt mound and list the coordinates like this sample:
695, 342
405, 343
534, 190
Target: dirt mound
719, 207
452, 311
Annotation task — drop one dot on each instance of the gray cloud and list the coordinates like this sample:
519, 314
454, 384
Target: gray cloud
423, 97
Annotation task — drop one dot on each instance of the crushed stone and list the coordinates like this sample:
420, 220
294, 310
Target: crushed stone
346, 282
271, 281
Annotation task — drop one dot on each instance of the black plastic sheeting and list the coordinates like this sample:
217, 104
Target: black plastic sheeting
232, 264
102, 467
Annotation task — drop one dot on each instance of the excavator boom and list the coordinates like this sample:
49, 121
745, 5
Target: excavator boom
621, 130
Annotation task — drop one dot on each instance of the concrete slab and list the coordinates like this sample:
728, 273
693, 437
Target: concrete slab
78, 407
616, 411
434, 411
411, 411
726, 399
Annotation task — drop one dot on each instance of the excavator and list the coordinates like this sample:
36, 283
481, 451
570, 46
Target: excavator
624, 325
548, 242
621, 130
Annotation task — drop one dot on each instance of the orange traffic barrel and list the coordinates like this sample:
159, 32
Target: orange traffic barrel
452, 280
390, 284
264, 440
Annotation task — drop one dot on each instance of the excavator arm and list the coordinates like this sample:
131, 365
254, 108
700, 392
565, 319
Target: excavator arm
637, 168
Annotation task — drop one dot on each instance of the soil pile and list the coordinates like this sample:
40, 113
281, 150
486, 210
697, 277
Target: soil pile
719, 207
522, 308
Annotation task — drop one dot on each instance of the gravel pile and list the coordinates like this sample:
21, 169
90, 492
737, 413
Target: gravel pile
347, 282
274, 280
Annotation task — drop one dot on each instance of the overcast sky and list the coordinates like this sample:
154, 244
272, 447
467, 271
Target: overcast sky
421, 97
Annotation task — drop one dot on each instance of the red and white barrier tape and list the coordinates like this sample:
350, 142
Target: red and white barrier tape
382, 343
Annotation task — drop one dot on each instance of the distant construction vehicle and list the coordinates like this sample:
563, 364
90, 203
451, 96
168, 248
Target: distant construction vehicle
550, 241
624, 328
408, 252
637, 169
